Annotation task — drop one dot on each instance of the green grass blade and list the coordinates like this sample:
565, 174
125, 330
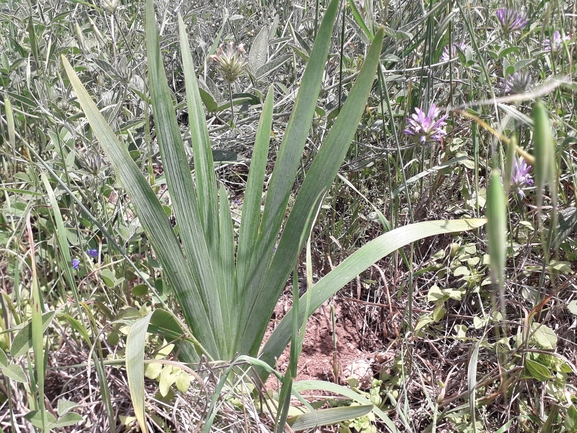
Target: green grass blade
135, 343
359, 20
290, 154
319, 178
37, 329
226, 280
322, 417
319, 385
472, 383
497, 234
203, 162
184, 200
358, 262
251, 208
151, 215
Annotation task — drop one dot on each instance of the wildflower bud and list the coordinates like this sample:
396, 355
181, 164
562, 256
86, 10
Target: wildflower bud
109, 5
517, 82
92, 162
230, 61
520, 177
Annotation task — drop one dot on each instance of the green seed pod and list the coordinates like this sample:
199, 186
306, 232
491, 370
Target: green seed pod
544, 149
497, 229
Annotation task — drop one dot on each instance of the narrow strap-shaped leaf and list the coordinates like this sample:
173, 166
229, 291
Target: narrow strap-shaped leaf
182, 193
358, 262
251, 207
225, 275
291, 149
151, 214
319, 178
321, 385
334, 415
135, 343
203, 162
289, 157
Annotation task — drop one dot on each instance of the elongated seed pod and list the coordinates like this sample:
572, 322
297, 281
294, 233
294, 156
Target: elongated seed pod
544, 149
497, 231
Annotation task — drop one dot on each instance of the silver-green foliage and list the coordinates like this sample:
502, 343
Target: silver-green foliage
227, 290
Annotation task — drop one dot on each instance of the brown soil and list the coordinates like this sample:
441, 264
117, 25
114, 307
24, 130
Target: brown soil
323, 358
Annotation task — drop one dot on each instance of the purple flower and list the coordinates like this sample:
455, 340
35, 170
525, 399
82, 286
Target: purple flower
510, 20
454, 52
424, 128
75, 263
556, 43
92, 252
518, 82
520, 177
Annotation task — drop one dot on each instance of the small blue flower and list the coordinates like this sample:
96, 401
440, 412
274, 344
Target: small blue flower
75, 263
92, 252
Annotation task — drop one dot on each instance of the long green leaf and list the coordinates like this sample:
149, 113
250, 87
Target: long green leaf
319, 178
226, 275
135, 343
203, 161
195, 240
320, 385
289, 157
330, 416
251, 208
356, 264
151, 214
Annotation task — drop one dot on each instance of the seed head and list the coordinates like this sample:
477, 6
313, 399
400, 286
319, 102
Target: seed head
109, 5
230, 61
517, 82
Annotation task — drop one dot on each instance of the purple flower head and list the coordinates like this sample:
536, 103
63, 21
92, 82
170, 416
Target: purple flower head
556, 43
92, 252
75, 263
510, 20
518, 82
453, 52
520, 177
424, 128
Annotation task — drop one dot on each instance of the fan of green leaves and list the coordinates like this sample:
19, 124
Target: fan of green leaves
227, 288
